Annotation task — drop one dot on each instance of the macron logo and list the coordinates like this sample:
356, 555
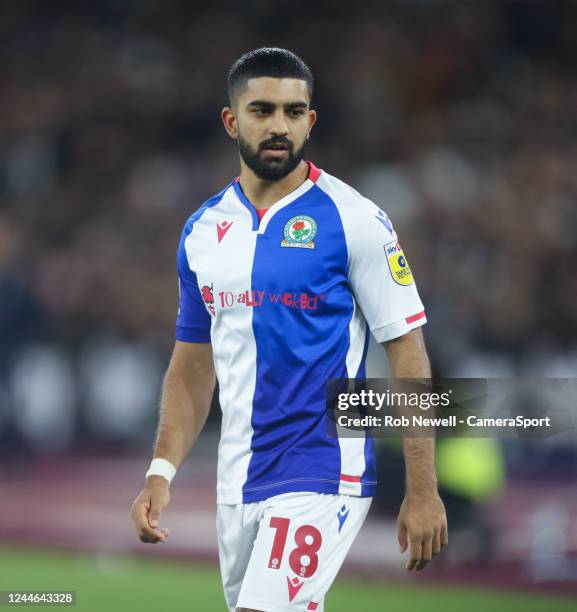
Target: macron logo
293, 587
385, 221
342, 516
222, 228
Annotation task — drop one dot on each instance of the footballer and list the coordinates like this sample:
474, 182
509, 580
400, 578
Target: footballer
283, 276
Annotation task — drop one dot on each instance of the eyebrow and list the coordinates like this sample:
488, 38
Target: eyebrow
267, 104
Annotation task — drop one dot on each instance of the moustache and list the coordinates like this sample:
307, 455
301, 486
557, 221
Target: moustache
276, 141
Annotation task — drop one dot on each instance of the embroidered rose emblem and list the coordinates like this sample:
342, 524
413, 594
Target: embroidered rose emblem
300, 230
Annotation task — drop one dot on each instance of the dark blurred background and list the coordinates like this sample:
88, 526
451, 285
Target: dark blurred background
458, 118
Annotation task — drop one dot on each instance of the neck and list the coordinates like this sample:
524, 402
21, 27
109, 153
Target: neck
261, 193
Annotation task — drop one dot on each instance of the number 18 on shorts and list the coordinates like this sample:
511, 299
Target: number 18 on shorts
283, 553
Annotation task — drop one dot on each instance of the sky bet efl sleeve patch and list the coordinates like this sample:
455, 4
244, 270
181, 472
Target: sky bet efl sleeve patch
398, 265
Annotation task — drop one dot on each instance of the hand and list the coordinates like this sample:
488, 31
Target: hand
146, 509
422, 522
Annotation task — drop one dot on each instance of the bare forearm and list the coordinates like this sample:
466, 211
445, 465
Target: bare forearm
408, 359
420, 473
184, 407
408, 356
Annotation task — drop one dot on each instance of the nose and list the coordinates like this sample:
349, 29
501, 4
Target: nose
278, 125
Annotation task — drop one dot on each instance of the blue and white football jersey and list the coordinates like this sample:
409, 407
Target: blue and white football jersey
287, 303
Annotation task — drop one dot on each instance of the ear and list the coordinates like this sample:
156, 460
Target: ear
229, 121
312, 121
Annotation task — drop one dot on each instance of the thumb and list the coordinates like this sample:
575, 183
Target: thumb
403, 540
155, 510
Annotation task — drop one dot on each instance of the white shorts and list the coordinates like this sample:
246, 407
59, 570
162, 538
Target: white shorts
283, 553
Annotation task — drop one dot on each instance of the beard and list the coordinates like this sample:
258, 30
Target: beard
271, 169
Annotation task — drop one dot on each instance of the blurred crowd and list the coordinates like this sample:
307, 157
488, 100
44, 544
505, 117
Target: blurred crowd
458, 118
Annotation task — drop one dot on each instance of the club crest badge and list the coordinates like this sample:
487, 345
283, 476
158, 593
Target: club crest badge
398, 265
208, 298
300, 232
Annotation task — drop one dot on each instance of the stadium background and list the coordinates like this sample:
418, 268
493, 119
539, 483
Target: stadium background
459, 118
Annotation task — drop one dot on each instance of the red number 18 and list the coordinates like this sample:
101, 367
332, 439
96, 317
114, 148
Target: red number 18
308, 540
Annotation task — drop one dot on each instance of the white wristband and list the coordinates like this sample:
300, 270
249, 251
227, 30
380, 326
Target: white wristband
161, 467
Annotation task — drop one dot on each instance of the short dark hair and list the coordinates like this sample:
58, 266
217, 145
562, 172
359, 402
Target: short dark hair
267, 62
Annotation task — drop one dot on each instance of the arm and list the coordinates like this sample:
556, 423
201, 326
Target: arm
186, 397
422, 520
383, 285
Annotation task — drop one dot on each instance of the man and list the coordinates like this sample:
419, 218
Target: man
282, 274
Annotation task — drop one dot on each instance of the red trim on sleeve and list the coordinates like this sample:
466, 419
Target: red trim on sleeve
312, 606
347, 478
314, 172
414, 318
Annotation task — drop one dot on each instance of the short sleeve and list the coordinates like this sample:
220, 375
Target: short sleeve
379, 274
193, 321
